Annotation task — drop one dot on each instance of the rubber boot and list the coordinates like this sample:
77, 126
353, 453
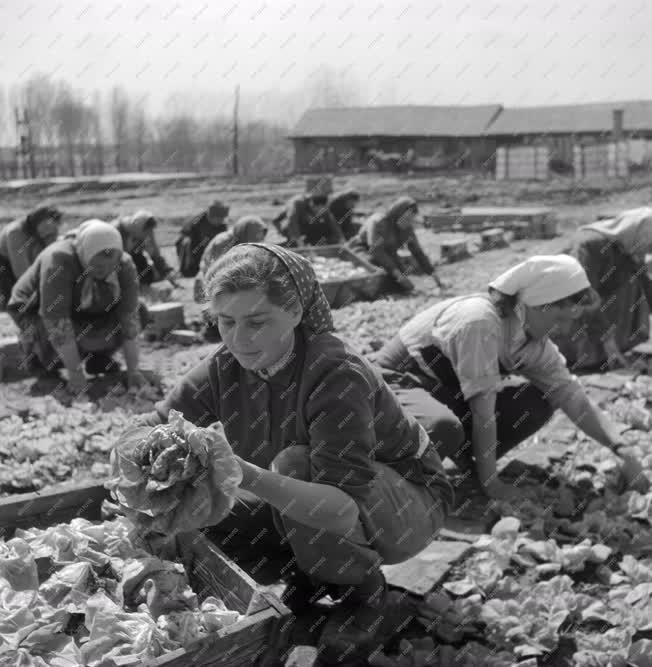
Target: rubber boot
302, 592
353, 630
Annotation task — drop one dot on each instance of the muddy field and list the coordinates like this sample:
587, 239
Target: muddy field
47, 438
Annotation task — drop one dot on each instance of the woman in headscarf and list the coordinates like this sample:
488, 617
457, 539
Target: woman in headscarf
341, 207
384, 233
79, 302
197, 233
460, 349
612, 253
139, 240
20, 243
337, 478
248, 229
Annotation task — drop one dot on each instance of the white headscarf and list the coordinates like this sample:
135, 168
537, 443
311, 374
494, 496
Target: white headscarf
91, 237
543, 279
632, 229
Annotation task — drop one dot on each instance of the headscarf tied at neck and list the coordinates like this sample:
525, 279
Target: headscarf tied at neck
91, 237
247, 228
317, 315
632, 229
543, 279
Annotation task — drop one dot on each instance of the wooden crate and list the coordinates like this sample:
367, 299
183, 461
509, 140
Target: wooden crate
341, 292
492, 238
258, 639
165, 317
12, 359
454, 251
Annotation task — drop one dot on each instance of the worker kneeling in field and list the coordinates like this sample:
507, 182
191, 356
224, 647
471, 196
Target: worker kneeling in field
612, 253
196, 234
139, 240
459, 350
308, 220
383, 234
20, 243
248, 229
342, 207
337, 479
80, 300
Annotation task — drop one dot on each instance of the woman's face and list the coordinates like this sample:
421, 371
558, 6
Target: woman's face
255, 331
48, 230
104, 262
546, 320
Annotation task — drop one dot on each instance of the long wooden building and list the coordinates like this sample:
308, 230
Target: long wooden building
431, 137
353, 138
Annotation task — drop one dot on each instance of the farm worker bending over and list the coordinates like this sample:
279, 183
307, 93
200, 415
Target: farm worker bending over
460, 348
342, 206
249, 229
308, 220
336, 477
139, 240
196, 234
612, 253
80, 300
384, 233
20, 243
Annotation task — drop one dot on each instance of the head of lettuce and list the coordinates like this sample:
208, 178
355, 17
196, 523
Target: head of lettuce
174, 477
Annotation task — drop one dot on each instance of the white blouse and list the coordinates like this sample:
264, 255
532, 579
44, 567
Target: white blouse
471, 334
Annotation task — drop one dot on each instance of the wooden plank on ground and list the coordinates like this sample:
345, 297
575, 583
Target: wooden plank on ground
419, 574
644, 348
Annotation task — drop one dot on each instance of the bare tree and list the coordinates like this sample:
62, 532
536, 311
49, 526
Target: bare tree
120, 125
38, 97
98, 138
69, 114
328, 87
139, 133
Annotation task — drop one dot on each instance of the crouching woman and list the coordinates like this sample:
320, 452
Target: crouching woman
79, 301
462, 349
336, 470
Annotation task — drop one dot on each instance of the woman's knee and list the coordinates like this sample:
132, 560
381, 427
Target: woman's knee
293, 462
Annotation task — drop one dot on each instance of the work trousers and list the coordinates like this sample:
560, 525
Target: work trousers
521, 408
397, 519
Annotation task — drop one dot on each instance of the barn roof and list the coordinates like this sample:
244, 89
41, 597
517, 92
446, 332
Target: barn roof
396, 121
572, 118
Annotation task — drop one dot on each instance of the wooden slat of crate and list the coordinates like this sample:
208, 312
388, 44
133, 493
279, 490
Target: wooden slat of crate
60, 505
255, 640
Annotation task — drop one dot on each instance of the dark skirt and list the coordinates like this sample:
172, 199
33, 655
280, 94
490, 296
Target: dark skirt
521, 408
93, 334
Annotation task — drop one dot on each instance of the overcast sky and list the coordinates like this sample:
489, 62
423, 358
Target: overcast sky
438, 52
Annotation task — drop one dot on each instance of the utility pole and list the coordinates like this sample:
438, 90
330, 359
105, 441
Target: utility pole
25, 150
235, 131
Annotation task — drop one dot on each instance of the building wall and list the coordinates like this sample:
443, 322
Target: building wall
334, 154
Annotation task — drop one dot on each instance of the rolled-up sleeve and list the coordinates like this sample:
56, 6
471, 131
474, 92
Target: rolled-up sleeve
340, 414
473, 350
546, 369
55, 299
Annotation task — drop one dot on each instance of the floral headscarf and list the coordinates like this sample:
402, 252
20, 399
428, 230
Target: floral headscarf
317, 315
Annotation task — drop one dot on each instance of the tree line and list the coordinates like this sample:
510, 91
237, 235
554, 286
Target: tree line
73, 133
